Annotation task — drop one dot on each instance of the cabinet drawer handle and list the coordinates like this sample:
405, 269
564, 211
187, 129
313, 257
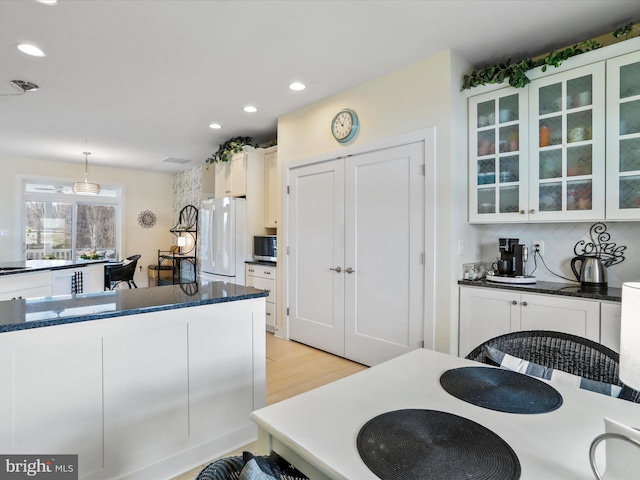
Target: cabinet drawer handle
337, 269
533, 210
251, 270
514, 302
524, 304
266, 272
349, 270
522, 212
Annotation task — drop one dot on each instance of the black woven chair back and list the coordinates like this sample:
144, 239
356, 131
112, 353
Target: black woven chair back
229, 468
560, 351
115, 274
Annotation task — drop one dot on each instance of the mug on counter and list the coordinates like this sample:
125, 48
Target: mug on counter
502, 266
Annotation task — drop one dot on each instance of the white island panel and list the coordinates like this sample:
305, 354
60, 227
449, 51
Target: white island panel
140, 396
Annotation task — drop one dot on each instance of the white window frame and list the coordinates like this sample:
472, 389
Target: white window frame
23, 196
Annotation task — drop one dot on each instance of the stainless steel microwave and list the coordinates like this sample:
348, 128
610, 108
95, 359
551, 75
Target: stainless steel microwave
265, 247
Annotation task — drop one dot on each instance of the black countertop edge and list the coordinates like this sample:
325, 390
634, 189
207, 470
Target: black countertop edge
610, 294
28, 266
261, 262
23, 314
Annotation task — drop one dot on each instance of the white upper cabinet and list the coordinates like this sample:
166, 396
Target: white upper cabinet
623, 137
537, 153
567, 162
271, 189
497, 151
231, 177
564, 148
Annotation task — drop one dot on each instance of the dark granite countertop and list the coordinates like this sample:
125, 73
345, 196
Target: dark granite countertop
27, 266
610, 294
261, 262
28, 313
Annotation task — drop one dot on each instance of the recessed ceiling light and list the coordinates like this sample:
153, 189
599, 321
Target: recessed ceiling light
250, 109
48, 2
30, 50
297, 86
215, 125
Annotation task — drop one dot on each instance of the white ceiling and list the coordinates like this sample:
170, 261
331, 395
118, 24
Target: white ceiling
137, 81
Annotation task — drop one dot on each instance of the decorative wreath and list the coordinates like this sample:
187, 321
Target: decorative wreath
147, 219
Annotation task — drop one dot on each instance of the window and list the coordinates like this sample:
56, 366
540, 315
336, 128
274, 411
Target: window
61, 225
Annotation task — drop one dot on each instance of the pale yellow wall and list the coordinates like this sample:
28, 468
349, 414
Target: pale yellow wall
418, 96
142, 191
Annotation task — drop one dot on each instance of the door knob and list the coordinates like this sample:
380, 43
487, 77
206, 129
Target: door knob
337, 269
349, 270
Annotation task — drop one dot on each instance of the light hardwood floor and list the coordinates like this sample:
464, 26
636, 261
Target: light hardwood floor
293, 368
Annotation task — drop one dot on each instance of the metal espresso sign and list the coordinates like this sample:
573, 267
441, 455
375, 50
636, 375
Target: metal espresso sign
39, 467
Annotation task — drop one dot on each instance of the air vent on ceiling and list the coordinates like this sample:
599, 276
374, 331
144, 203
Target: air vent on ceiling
180, 161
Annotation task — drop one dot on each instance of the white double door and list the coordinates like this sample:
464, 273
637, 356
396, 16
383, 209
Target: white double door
356, 258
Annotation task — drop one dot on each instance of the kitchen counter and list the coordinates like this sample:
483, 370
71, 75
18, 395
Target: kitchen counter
139, 383
26, 266
261, 262
610, 294
22, 314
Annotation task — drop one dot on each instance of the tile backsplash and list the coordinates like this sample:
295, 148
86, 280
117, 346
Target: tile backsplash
559, 242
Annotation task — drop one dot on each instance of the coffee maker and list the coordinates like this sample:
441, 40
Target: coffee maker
511, 265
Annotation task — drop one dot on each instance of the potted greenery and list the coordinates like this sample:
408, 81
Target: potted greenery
230, 147
515, 73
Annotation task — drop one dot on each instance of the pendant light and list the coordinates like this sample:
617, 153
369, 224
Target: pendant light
86, 187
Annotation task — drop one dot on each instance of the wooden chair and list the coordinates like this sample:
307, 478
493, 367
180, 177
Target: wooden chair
560, 351
122, 272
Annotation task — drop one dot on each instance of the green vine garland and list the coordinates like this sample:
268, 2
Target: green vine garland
230, 147
516, 72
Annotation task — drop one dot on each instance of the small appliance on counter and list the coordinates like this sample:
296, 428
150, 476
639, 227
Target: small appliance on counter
593, 272
265, 248
511, 265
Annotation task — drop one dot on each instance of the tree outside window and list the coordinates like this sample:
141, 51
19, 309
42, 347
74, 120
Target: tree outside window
61, 225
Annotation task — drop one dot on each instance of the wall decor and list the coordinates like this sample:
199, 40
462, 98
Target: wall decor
147, 219
600, 247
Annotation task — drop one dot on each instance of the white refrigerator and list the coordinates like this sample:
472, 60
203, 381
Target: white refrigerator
223, 240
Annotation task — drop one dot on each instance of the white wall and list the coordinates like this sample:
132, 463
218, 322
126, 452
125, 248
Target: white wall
142, 191
415, 97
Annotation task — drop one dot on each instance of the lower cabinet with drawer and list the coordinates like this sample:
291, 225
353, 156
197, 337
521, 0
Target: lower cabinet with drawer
486, 313
258, 275
25, 285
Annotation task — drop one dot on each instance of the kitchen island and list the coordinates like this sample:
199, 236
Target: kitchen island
141, 383
39, 278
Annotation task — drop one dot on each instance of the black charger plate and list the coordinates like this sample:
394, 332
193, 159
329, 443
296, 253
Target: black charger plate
433, 445
501, 390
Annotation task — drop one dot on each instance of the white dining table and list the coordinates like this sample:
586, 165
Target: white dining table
317, 430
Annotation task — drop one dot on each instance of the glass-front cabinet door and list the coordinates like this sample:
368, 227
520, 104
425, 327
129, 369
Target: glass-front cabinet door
498, 171
567, 145
623, 137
